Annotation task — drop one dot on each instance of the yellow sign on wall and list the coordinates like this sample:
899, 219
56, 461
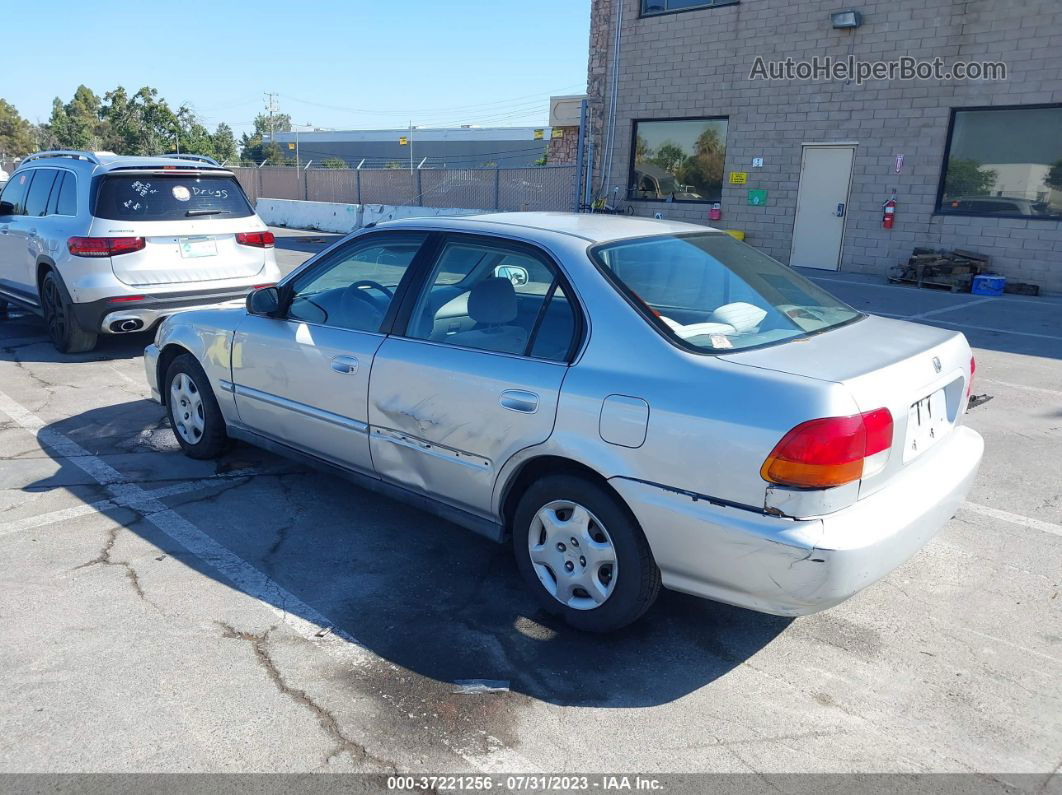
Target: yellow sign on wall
557, 132
402, 141
739, 177
539, 135
291, 146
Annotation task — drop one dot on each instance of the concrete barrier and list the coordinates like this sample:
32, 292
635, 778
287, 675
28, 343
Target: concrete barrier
336, 217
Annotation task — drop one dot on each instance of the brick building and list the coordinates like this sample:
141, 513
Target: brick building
679, 122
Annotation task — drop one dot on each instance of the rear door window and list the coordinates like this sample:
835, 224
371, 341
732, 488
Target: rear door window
170, 197
64, 195
13, 200
40, 190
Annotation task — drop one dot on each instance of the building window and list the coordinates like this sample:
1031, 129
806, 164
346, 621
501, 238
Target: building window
1004, 162
664, 6
678, 160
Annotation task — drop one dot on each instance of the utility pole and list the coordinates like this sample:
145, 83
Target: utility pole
272, 107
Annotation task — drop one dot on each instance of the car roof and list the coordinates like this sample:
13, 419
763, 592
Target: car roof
593, 227
102, 162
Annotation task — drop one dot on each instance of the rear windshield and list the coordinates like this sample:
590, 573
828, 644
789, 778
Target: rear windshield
709, 292
166, 197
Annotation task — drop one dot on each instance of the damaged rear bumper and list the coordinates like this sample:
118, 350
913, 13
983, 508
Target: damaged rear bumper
793, 567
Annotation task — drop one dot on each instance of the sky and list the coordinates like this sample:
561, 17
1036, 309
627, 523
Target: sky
346, 65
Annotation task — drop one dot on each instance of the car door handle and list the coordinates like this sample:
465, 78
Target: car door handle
348, 365
519, 400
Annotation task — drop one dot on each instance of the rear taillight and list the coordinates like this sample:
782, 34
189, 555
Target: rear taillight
832, 451
103, 246
969, 384
257, 239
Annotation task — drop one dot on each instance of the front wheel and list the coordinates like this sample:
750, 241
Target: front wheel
66, 335
583, 554
194, 413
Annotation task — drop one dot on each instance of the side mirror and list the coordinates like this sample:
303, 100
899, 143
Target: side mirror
513, 273
264, 301
7, 208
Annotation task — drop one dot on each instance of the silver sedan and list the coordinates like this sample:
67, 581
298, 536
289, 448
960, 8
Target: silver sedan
634, 403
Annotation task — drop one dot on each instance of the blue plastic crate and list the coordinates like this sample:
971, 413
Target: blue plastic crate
988, 285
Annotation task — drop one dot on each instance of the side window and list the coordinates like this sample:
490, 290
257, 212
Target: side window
510, 302
13, 200
64, 195
40, 190
353, 288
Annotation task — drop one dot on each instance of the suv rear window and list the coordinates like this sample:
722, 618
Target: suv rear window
170, 197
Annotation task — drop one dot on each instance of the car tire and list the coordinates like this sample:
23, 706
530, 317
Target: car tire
63, 330
193, 410
576, 581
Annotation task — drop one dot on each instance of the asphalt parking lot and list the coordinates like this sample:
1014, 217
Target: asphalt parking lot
162, 614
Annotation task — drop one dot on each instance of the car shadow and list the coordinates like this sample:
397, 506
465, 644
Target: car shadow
25, 333
417, 591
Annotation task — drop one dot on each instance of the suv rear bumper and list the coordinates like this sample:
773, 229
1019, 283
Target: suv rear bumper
793, 567
108, 317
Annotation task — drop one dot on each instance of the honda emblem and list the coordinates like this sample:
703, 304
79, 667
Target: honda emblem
936, 364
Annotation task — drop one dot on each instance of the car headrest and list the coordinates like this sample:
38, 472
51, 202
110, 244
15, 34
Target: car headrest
740, 315
492, 301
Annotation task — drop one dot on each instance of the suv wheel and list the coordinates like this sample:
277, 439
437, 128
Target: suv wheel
583, 554
193, 409
66, 335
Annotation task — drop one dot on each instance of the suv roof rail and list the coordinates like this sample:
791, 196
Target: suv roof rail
199, 158
76, 154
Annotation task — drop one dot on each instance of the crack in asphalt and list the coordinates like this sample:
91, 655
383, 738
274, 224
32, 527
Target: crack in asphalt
104, 559
326, 719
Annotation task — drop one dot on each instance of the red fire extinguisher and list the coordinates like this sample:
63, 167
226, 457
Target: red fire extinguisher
889, 216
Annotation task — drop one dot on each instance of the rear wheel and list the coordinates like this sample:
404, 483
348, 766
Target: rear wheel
66, 335
583, 554
193, 409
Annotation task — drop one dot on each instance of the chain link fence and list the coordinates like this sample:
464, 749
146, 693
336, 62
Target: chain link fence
519, 189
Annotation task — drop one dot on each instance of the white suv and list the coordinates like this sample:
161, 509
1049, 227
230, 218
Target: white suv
97, 244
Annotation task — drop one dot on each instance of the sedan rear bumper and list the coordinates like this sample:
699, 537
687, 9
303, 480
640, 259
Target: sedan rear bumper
793, 567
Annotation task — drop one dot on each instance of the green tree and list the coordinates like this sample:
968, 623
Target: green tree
16, 134
966, 177
544, 159
704, 168
642, 150
334, 162
393, 164
669, 157
256, 147
224, 144
79, 124
1054, 176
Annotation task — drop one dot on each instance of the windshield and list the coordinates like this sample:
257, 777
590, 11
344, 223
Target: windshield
708, 292
170, 197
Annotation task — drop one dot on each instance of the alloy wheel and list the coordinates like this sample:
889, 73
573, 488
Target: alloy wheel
54, 315
572, 554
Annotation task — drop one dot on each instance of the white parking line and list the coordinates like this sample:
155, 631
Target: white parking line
955, 308
300, 617
85, 509
973, 327
1013, 518
1026, 387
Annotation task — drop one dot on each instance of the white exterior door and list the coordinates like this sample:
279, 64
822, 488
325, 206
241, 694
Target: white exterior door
822, 205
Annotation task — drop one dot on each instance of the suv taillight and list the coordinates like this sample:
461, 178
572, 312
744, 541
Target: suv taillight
257, 239
103, 246
832, 451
